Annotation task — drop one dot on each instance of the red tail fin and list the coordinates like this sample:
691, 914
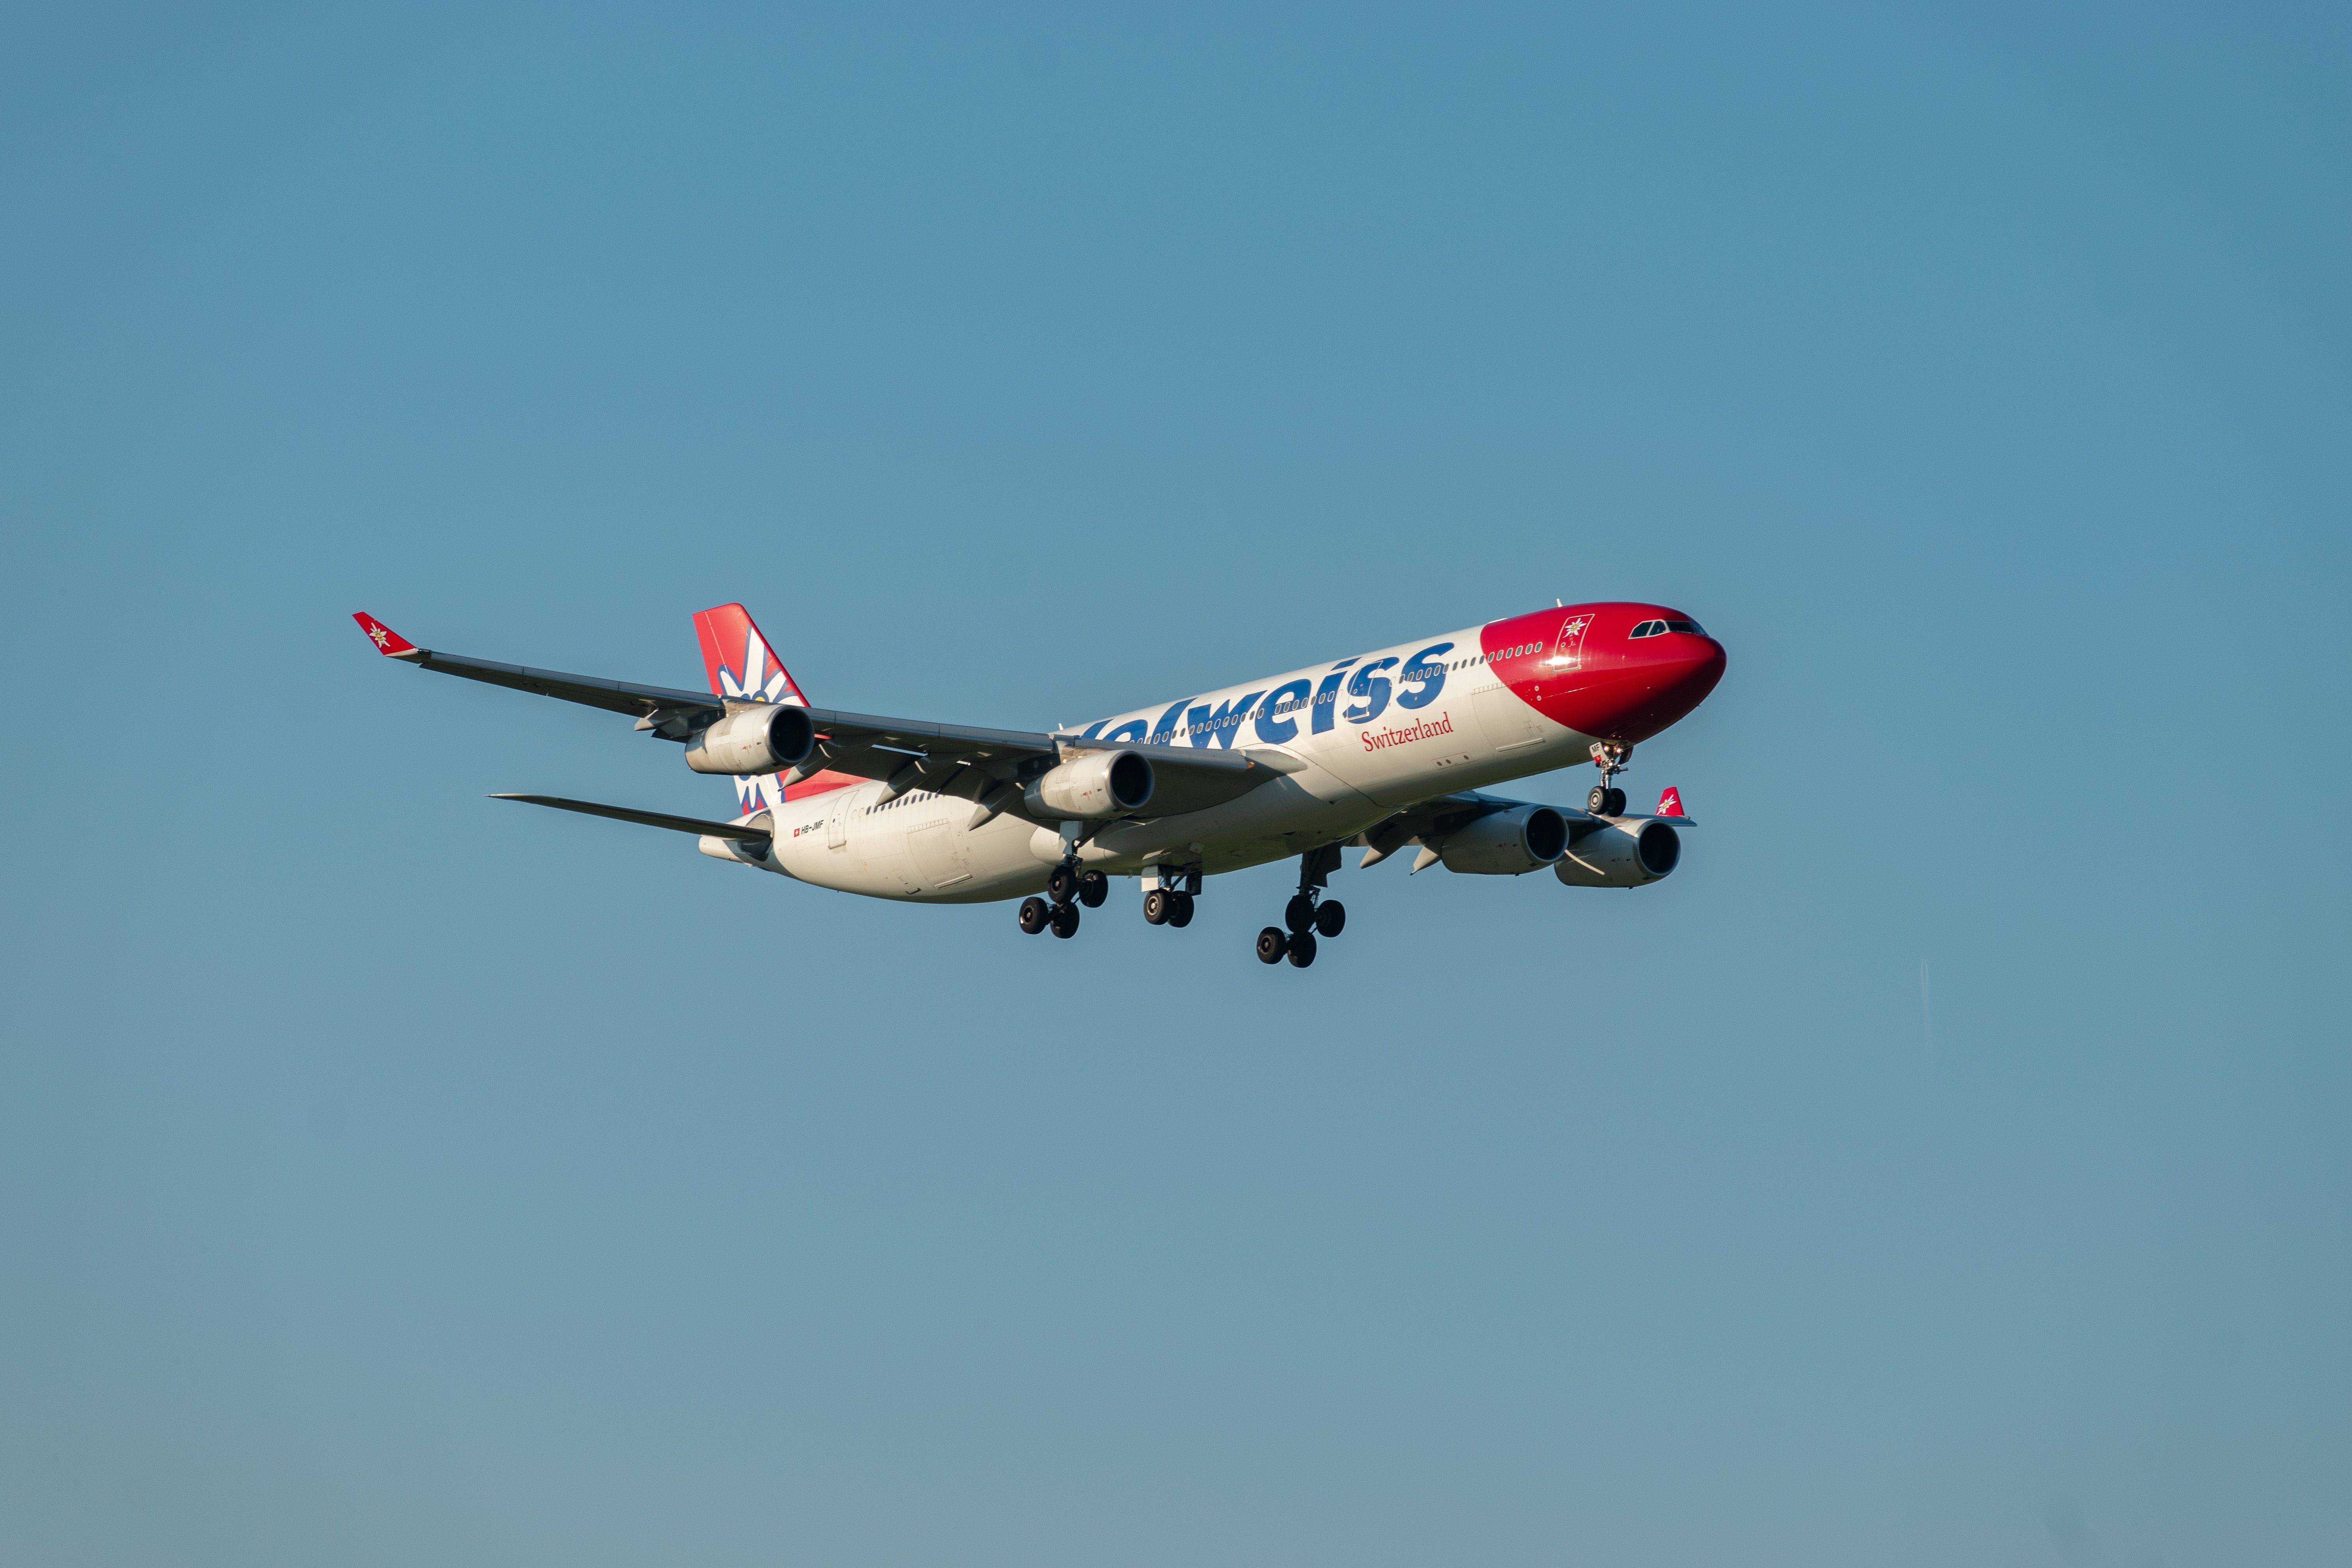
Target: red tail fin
388, 641
738, 660
1670, 802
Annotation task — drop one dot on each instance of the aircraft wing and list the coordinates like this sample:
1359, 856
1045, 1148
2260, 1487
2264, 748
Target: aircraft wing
1432, 818
1426, 822
947, 759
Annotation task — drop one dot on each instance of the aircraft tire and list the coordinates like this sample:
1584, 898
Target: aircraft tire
1063, 885
1035, 913
1155, 907
1180, 911
1093, 889
1302, 950
1298, 914
1066, 921
1272, 944
1597, 803
1616, 803
1331, 918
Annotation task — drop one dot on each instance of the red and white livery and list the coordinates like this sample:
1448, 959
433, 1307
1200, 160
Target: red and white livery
1392, 749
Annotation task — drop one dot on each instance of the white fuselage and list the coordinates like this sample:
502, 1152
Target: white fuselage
1434, 721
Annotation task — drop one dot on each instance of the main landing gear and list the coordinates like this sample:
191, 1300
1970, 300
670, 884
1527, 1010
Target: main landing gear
1307, 914
1067, 888
1606, 799
1170, 904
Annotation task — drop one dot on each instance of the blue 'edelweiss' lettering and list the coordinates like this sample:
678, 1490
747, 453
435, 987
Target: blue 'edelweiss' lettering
1217, 728
1417, 686
1374, 691
1327, 697
1274, 728
1418, 672
1167, 725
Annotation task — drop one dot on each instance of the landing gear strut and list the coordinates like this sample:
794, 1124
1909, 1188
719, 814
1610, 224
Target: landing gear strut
1306, 913
1606, 799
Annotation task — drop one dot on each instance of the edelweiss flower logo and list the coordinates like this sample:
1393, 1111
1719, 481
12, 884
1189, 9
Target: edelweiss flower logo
378, 636
1568, 653
774, 686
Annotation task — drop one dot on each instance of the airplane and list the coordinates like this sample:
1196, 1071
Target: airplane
1384, 751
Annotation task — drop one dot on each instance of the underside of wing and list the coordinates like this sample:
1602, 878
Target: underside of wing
1429, 822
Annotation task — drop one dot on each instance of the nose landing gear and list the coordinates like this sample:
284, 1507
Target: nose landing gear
1606, 799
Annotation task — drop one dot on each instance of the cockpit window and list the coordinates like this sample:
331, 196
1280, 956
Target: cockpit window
1649, 628
1691, 627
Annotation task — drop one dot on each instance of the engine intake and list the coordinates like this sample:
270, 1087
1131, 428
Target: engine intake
1622, 855
761, 740
1508, 843
1099, 784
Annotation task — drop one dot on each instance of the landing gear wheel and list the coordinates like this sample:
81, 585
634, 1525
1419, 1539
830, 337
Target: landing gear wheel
1298, 914
1272, 944
1093, 889
1155, 907
1063, 885
1302, 950
1331, 917
1616, 803
1035, 913
1066, 919
1180, 911
1597, 803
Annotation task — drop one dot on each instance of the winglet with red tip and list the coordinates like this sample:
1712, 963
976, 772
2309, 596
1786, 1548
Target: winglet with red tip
387, 641
1670, 802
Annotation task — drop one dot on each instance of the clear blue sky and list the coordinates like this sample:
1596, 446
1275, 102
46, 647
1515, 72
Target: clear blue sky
388, 1176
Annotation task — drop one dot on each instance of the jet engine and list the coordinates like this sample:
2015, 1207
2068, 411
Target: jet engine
1508, 843
759, 740
1099, 784
1620, 855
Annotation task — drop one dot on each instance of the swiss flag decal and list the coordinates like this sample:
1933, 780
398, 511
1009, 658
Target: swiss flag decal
1670, 802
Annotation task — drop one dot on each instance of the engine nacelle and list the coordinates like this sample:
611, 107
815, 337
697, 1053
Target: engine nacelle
1099, 784
1620, 855
1508, 843
761, 740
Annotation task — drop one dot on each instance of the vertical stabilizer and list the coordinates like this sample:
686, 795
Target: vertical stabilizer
738, 660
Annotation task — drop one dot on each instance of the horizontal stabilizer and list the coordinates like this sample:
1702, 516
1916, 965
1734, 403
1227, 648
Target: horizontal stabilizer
740, 832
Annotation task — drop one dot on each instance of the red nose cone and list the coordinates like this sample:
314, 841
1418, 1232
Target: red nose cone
1677, 680
1640, 669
